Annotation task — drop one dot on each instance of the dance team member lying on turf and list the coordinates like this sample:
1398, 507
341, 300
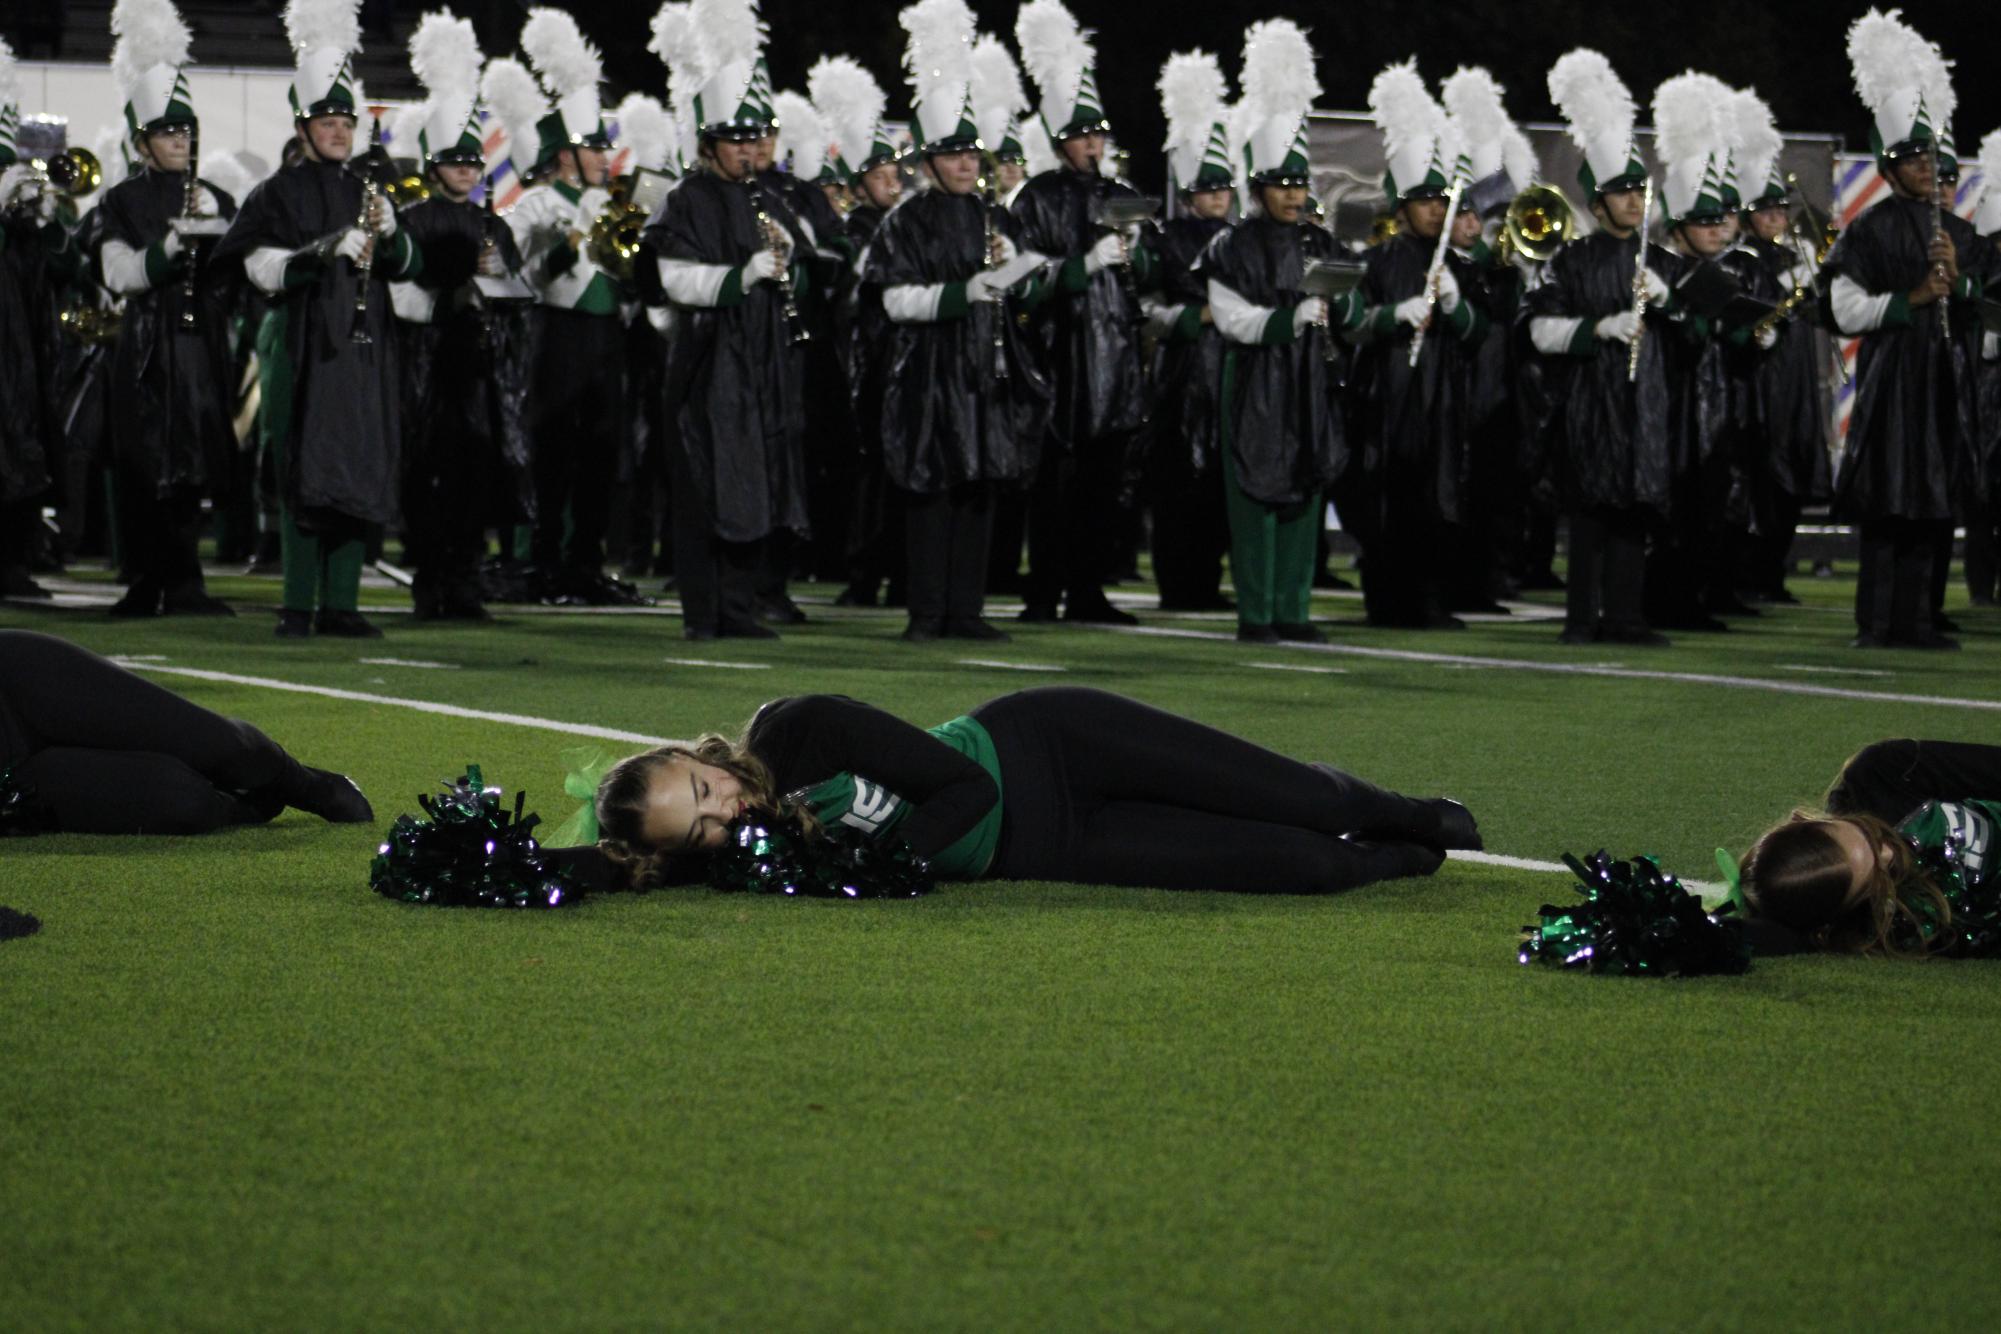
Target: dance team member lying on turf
1848, 878
1059, 783
87, 747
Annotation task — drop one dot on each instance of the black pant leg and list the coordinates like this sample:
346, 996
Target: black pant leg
579, 421
697, 562
1583, 594
1623, 571
1892, 778
1941, 567
971, 544
1983, 557
90, 791
1171, 847
927, 533
1049, 536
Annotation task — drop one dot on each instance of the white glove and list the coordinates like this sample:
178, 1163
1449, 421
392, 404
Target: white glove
171, 244
1007, 248
1413, 311
386, 211
982, 287
1657, 290
1309, 312
1448, 291
589, 204
1768, 339
1799, 277
352, 242
1105, 254
202, 224
762, 267
11, 178
1620, 328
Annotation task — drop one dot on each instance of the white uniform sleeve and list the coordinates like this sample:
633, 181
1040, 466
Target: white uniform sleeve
124, 268
266, 268
1161, 316
913, 303
1235, 318
691, 284
1855, 311
1553, 334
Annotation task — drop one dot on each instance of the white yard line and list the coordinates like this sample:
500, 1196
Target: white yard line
1298, 667
1011, 666
706, 662
1590, 669
409, 662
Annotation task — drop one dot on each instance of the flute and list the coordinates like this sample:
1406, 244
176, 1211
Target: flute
188, 197
1000, 307
1640, 286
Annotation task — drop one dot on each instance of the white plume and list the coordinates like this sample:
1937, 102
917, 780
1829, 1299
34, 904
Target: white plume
645, 128
1192, 97
1755, 141
802, 134
1519, 157
1403, 110
938, 60
149, 33
511, 93
1054, 51
850, 100
1039, 155
1689, 118
1990, 156
1880, 47
10, 76
1987, 216
1591, 97
1473, 99
404, 123
445, 55
1278, 76
229, 173
731, 30
555, 46
998, 94
324, 25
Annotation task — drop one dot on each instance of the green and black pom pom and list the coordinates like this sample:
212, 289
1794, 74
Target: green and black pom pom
469, 853
1638, 921
767, 854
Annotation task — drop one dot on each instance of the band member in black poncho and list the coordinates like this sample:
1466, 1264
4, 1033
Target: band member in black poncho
331, 391
964, 404
1280, 442
1613, 445
1184, 460
1410, 418
729, 252
1089, 324
1906, 277
465, 344
172, 389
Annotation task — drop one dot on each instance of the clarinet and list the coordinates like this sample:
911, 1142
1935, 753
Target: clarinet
364, 268
990, 204
774, 236
189, 187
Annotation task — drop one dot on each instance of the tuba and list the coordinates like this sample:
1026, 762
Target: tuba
1539, 220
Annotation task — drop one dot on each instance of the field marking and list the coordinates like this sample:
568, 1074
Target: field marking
409, 662
1011, 666
1832, 671
707, 662
1588, 669
1298, 667
394, 701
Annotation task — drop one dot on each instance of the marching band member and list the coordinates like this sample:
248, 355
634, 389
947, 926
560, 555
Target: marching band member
323, 244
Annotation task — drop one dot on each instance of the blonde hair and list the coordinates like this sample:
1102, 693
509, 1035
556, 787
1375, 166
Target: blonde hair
1798, 875
621, 803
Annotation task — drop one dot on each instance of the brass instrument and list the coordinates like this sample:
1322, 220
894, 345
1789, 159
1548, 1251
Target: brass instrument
780, 243
1539, 220
1383, 229
91, 325
406, 190
74, 171
1640, 285
614, 236
190, 197
1116, 214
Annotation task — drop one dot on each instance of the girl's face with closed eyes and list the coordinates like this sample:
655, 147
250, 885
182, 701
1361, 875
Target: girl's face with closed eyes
688, 805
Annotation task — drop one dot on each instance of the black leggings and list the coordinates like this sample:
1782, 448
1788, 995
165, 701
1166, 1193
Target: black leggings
1104, 790
108, 753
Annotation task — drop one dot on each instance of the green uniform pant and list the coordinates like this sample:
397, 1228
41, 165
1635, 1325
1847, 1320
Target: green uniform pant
1273, 548
319, 572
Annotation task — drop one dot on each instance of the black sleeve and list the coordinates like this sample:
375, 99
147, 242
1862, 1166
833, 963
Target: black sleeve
1890, 779
809, 738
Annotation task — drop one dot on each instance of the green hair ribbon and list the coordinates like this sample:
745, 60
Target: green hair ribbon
584, 768
1733, 876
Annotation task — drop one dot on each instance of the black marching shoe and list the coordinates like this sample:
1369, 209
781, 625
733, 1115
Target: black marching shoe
294, 624
1097, 611
331, 796
1303, 632
345, 624
193, 602
1578, 634
1457, 829
142, 599
975, 627
1634, 635
780, 610
1037, 613
1256, 634
922, 630
745, 630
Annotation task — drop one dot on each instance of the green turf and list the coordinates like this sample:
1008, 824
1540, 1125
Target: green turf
238, 1090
